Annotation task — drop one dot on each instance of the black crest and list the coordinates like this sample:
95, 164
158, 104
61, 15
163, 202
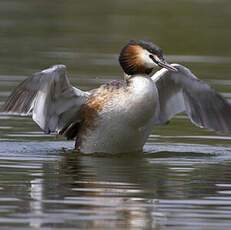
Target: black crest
151, 47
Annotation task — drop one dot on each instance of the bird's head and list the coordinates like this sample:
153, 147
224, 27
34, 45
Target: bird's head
141, 57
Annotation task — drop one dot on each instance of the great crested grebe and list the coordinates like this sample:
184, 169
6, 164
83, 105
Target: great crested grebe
119, 116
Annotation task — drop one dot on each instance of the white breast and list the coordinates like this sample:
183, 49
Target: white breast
125, 121
142, 101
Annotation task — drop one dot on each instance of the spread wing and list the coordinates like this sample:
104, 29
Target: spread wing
182, 91
49, 97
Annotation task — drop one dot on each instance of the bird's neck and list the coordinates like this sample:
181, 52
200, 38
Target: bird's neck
139, 81
130, 78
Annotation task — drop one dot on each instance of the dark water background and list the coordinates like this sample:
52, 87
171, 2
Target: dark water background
183, 178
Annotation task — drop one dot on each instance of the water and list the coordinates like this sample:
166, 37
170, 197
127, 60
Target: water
180, 181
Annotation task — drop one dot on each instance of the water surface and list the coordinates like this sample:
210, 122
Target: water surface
182, 178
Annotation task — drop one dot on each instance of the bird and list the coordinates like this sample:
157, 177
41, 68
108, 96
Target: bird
118, 117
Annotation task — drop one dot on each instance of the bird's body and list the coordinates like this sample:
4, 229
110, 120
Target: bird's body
119, 116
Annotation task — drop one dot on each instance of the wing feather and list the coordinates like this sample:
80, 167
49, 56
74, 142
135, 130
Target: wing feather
183, 92
49, 97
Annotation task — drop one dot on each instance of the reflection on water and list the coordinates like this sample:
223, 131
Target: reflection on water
44, 186
180, 181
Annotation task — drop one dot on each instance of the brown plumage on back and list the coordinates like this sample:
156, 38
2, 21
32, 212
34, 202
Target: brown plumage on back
97, 101
86, 118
